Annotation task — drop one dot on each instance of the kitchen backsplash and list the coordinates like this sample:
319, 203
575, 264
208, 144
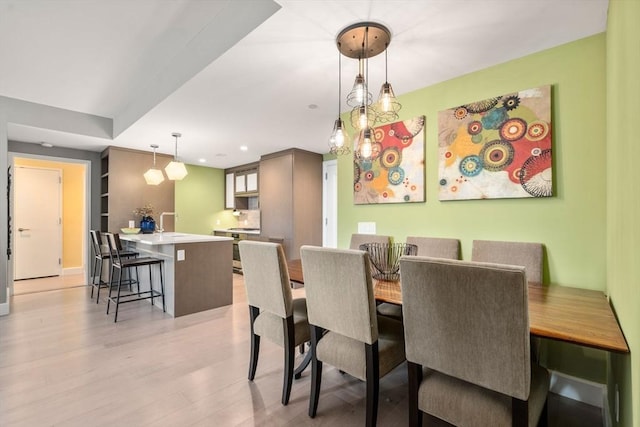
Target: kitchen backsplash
249, 218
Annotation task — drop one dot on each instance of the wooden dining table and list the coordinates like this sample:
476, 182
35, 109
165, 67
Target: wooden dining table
578, 316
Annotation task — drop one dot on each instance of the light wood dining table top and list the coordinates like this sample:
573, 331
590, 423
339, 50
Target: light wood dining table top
579, 316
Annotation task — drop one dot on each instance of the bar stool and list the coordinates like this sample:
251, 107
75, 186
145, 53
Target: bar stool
119, 263
98, 261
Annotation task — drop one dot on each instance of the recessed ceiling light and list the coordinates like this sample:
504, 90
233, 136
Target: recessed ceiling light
244, 148
46, 144
312, 106
202, 160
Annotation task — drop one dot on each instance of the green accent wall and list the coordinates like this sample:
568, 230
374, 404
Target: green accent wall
623, 199
571, 224
589, 228
199, 201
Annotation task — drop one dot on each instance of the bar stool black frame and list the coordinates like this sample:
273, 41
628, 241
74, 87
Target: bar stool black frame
98, 262
119, 263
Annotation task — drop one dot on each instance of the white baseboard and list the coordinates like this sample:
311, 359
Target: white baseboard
4, 309
585, 391
72, 270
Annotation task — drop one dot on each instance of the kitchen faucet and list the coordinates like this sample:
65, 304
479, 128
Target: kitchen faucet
161, 229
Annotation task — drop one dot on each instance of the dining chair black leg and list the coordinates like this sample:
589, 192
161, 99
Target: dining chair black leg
316, 371
137, 280
164, 307
115, 319
93, 276
289, 355
150, 284
99, 285
111, 276
255, 343
373, 382
414, 372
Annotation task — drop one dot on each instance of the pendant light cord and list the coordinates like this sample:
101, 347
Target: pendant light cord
365, 97
386, 79
339, 81
175, 157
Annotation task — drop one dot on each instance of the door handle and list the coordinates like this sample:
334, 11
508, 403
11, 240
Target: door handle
24, 229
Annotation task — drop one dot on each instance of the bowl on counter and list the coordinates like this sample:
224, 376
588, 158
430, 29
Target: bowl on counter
132, 230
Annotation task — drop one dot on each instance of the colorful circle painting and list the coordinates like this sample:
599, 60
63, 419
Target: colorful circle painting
513, 129
496, 155
470, 166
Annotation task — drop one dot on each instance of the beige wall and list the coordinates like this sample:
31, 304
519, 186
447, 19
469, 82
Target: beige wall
73, 207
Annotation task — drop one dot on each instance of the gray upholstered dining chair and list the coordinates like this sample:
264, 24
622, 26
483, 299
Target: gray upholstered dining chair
436, 247
427, 246
274, 314
466, 328
346, 332
359, 239
526, 254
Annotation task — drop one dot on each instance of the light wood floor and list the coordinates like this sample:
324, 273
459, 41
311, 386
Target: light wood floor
43, 284
64, 362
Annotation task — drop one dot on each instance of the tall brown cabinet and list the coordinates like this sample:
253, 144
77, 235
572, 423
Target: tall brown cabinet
291, 198
124, 189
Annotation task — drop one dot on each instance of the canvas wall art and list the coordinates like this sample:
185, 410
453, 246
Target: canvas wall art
497, 148
395, 171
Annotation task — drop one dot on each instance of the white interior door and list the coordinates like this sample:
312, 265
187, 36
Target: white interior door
330, 204
37, 223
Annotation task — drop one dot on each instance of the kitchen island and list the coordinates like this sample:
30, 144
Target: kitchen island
197, 268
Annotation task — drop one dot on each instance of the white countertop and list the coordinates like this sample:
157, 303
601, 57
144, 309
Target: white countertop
171, 238
227, 230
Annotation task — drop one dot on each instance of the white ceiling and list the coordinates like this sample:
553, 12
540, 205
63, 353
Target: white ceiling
163, 66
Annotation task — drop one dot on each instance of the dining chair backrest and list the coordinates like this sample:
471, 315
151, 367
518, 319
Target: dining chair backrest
359, 239
96, 242
436, 247
113, 242
266, 277
468, 320
339, 292
526, 254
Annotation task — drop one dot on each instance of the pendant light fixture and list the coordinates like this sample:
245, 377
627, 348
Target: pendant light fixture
388, 106
362, 41
176, 170
154, 176
338, 141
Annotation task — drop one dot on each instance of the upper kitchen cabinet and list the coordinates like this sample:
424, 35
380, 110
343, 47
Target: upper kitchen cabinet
291, 198
241, 183
124, 189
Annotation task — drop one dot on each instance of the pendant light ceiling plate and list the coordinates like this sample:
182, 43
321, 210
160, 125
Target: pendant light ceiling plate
351, 40
176, 134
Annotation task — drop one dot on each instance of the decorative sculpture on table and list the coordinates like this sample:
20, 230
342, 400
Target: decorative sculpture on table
394, 170
385, 258
497, 148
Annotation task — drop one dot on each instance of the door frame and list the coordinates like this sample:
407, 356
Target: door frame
327, 194
87, 208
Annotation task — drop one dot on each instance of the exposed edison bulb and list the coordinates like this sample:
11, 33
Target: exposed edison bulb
366, 148
388, 104
362, 119
339, 138
385, 102
359, 87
